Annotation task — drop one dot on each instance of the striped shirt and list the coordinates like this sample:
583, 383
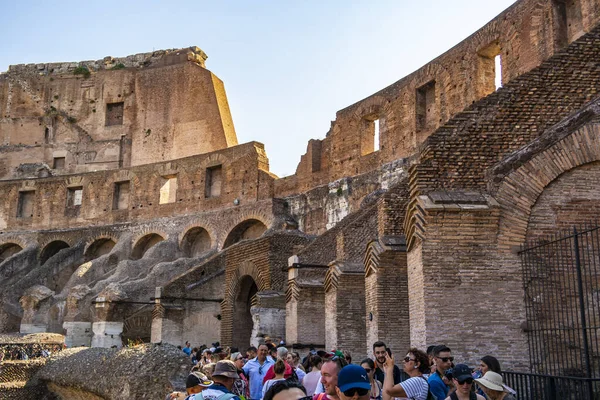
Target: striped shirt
415, 388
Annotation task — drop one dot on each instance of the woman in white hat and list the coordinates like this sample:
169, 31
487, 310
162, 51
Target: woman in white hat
491, 384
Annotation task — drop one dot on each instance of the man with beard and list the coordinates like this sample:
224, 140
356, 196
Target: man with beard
379, 352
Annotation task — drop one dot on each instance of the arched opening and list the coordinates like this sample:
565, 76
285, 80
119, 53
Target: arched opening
99, 248
8, 250
249, 229
242, 328
195, 242
144, 244
138, 327
52, 249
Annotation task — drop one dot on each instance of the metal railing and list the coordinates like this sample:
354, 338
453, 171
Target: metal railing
547, 387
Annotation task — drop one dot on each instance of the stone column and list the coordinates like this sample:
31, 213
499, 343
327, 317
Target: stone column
108, 320
32, 321
268, 316
77, 321
345, 308
305, 305
167, 321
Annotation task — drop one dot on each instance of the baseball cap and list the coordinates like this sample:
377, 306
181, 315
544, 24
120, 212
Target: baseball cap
353, 376
226, 368
460, 372
197, 378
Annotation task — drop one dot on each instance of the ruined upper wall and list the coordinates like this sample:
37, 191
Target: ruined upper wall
63, 118
411, 109
218, 180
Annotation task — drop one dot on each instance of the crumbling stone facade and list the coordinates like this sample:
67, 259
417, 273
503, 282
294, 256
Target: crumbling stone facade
414, 243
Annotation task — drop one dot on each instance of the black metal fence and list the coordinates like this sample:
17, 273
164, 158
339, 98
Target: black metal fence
561, 277
548, 387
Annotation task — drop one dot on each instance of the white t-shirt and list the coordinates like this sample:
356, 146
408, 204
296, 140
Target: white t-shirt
270, 383
310, 382
415, 388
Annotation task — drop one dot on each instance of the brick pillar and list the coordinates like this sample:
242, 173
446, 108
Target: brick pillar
305, 306
461, 292
345, 308
386, 294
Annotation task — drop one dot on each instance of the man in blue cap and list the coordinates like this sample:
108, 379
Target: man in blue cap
353, 383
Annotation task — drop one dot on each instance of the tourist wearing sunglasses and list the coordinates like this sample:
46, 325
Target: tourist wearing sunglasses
353, 383
443, 359
463, 382
416, 363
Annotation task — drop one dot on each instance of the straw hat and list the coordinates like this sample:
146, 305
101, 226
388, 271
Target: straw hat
491, 380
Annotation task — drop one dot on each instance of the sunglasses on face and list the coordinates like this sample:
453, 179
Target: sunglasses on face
446, 359
368, 370
407, 359
360, 391
468, 381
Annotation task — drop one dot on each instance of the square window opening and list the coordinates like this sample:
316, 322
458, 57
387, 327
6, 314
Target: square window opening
74, 196
58, 163
114, 114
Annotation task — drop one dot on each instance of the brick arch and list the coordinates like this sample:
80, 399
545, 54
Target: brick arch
266, 219
138, 248
184, 244
234, 280
520, 189
93, 241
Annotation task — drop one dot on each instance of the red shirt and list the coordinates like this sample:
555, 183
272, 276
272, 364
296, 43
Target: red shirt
271, 373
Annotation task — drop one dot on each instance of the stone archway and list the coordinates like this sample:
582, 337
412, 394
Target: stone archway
195, 242
144, 244
52, 249
99, 248
8, 249
248, 229
243, 323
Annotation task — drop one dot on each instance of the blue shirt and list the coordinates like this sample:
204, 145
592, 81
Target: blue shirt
256, 373
437, 387
187, 350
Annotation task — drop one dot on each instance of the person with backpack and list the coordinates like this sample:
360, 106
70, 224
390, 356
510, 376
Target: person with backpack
463, 382
416, 363
195, 383
224, 377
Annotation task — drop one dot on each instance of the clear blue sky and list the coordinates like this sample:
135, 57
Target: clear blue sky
288, 66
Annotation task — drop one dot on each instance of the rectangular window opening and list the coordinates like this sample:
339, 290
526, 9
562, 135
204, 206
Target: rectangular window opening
25, 205
213, 181
376, 135
498, 71
74, 196
59, 163
114, 114
425, 106
121, 196
489, 71
168, 190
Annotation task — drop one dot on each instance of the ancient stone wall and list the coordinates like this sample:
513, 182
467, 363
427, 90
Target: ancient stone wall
410, 110
66, 118
137, 193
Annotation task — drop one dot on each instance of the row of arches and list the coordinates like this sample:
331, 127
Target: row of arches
194, 243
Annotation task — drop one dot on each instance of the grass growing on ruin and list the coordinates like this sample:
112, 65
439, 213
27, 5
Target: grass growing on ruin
82, 71
118, 66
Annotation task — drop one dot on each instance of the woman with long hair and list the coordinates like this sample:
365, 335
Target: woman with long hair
311, 380
279, 370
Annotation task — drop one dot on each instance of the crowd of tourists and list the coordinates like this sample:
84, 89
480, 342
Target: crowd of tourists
27, 351
272, 372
